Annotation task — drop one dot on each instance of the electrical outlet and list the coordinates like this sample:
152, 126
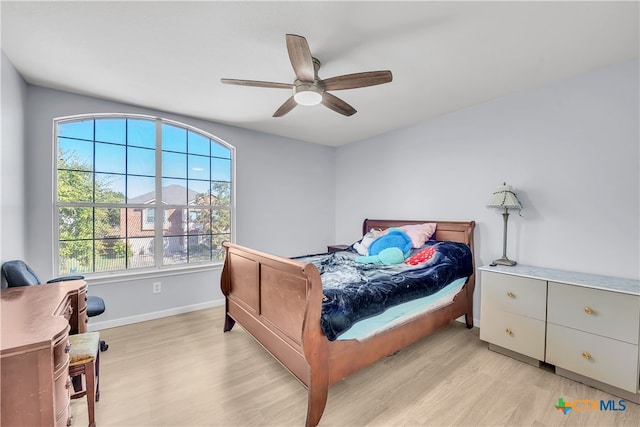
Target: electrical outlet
157, 287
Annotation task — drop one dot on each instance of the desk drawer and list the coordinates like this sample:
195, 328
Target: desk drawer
62, 390
61, 353
514, 294
604, 359
606, 313
82, 300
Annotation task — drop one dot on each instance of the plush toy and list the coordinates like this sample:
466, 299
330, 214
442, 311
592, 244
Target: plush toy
392, 248
386, 256
395, 238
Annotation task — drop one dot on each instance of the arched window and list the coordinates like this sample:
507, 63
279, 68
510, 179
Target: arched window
139, 192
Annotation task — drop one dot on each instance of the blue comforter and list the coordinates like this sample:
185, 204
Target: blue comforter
355, 291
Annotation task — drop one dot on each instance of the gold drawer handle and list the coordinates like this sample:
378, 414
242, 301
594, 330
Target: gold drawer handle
511, 294
509, 331
586, 355
588, 310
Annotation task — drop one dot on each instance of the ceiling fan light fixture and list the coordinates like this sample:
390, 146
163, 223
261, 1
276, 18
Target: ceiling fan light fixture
307, 94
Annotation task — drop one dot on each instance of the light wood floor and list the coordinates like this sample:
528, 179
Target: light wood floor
184, 371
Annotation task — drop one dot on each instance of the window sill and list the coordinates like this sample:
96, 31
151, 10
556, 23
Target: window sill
120, 276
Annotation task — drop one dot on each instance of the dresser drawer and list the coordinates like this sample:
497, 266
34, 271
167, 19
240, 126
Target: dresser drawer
521, 334
604, 359
514, 294
605, 313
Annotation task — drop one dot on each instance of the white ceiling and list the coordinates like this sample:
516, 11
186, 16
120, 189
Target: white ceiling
444, 56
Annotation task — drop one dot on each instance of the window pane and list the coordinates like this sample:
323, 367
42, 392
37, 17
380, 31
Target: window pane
174, 251
74, 186
141, 252
110, 188
221, 193
140, 235
174, 138
198, 144
217, 251
111, 130
199, 248
219, 150
141, 161
76, 256
200, 189
220, 169
199, 167
82, 129
141, 189
221, 223
109, 222
141, 133
75, 223
176, 222
174, 165
174, 192
199, 221
75, 154
75, 246
136, 225
111, 254
110, 158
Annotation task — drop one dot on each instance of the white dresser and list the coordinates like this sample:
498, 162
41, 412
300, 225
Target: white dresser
587, 326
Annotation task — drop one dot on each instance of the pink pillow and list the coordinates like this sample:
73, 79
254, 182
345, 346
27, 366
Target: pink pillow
419, 233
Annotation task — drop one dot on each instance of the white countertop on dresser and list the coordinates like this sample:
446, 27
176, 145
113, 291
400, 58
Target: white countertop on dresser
607, 283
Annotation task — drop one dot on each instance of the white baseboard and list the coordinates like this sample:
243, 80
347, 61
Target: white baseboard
97, 326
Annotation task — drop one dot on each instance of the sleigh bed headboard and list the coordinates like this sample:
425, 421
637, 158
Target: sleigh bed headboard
454, 231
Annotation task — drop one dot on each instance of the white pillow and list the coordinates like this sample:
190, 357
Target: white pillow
363, 245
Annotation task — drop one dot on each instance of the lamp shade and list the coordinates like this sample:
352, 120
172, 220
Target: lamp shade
504, 197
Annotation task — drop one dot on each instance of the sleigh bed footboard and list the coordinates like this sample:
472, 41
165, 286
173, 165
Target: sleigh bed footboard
278, 301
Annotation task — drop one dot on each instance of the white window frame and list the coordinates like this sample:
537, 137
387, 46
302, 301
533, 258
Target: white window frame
158, 269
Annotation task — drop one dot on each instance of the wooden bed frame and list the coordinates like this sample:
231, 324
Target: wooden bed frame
278, 301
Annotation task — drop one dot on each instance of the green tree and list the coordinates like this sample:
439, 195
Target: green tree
214, 223
79, 226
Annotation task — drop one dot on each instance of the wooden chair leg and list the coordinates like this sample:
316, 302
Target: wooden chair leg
90, 377
97, 377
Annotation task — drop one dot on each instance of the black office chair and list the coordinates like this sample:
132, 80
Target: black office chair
18, 273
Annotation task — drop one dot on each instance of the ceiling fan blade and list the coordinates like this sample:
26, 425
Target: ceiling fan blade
337, 104
352, 81
288, 105
257, 83
300, 56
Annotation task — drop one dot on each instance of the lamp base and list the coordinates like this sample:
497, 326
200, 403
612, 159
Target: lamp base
504, 261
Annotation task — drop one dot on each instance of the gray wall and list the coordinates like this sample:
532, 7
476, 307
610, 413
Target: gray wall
277, 199
571, 150
12, 170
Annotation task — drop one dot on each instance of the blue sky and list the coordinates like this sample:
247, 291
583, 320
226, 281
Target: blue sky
128, 146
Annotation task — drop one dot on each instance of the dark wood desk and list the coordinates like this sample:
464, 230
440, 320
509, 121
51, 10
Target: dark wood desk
36, 322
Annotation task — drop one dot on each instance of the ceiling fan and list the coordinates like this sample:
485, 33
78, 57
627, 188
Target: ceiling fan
308, 88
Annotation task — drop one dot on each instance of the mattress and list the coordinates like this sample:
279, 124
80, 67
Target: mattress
403, 313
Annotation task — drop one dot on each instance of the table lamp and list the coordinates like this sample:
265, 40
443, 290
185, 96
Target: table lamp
505, 199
